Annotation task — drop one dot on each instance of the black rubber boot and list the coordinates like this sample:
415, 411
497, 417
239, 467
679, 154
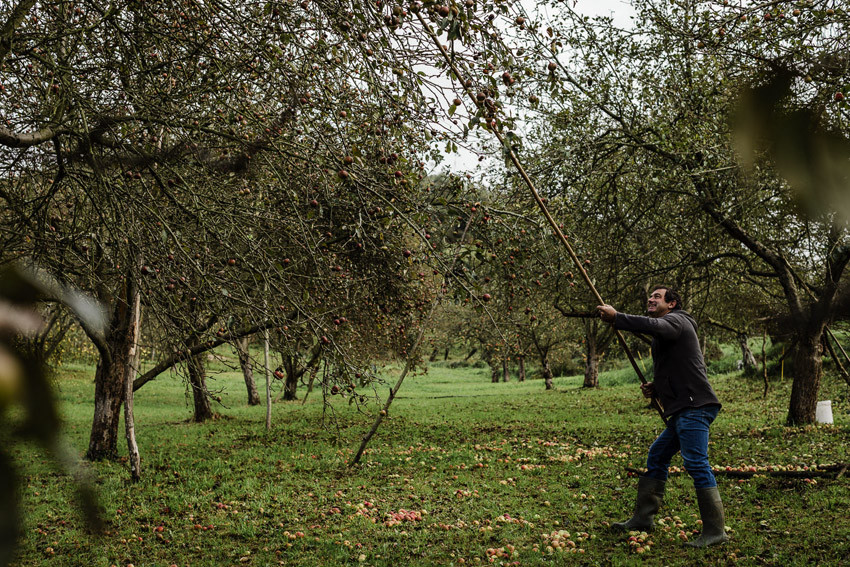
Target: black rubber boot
713, 521
650, 493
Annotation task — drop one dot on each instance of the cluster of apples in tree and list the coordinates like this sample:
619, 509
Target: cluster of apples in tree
780, 28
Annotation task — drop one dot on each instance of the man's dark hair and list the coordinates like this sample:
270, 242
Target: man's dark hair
670, 295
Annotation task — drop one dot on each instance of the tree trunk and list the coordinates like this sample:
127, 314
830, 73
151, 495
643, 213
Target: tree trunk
241, 346
198, 381
312, 379
108, 397
290, 387
494, 373
591, 363
506, 375
749, 361
521, 364
434, 355
547, 375
109, 382
446, 354
807, 368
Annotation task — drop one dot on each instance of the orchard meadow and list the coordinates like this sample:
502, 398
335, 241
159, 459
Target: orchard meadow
194, 192
463, 472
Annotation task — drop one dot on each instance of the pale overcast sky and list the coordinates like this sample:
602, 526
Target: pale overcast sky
618, 9
621, 12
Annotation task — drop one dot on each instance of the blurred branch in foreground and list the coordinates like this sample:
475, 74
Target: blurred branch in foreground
23, 382
812, 156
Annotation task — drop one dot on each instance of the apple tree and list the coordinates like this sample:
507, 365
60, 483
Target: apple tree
230, 159
663, 94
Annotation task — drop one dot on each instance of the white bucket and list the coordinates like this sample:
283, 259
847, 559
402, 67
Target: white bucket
823, 413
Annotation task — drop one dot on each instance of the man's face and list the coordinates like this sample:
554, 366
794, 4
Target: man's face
656, 305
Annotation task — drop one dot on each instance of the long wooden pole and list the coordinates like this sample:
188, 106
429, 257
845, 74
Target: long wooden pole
267, 371
515, 160
134, 305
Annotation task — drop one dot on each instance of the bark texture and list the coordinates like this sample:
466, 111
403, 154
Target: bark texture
591, 361
198, 382
241, 346
290, 386
109, 380
547, 375
747, 358
807, 369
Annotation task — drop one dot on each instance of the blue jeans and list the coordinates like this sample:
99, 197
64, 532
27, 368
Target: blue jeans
687, 431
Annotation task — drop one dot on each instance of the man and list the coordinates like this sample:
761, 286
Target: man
690, 405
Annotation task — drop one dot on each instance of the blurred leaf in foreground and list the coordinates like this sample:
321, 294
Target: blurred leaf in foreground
23, 381
812, 156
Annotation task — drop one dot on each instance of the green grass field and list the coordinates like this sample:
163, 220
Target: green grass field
463, 472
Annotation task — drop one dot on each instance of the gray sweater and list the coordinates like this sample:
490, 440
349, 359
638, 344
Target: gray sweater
678, 366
